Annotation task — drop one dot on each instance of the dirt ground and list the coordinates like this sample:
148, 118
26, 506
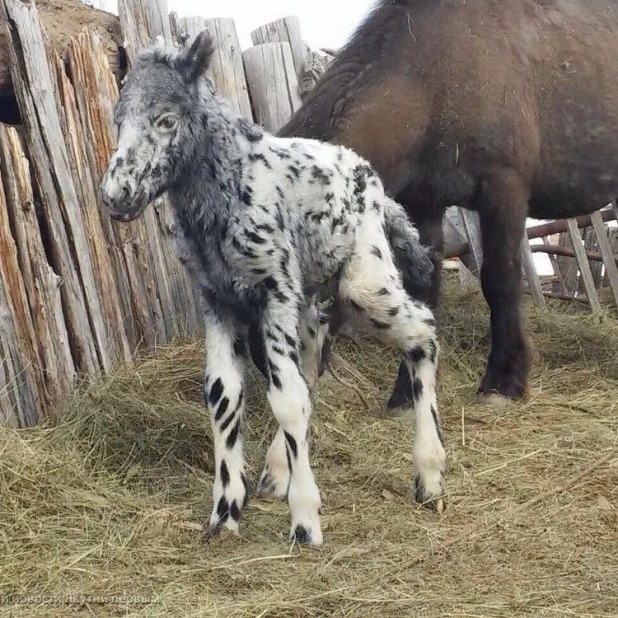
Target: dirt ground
100, 516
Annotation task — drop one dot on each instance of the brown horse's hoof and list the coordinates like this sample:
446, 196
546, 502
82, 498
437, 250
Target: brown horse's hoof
493, 400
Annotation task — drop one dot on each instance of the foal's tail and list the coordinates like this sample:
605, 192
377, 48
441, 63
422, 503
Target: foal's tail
413, 259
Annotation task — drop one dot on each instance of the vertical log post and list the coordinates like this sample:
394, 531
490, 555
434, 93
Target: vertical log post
226, 67
35, 86
42, 284
584, 266
175, 292
611, 271
286, 30
272, 83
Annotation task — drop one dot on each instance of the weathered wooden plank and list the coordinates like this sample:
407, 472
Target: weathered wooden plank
42, 284
134, 25
314, 66
537, 231
88, 197
455, 234
471, 224
567, 267
190, 27
591, 245
611, 271
272, 83
22, 392
35, 89
558, 250
158, 20
584, 266
176, 28
559, 286
128, 242
94, 96
226, 68
177, 298
286, 30
530, 272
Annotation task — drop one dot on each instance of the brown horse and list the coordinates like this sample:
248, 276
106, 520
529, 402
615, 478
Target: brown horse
506, 107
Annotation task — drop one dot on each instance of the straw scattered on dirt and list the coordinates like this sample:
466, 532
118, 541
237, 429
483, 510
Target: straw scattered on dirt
100, 516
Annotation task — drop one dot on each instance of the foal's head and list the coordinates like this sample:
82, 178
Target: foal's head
158, 118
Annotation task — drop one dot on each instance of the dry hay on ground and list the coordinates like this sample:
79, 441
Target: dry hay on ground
110, 502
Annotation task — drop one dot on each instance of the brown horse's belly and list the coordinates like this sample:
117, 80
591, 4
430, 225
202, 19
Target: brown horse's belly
575, 190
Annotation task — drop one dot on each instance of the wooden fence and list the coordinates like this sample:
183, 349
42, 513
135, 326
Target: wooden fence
582, 265
78, 292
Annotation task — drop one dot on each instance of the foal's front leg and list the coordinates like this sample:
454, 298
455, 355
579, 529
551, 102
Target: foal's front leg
290, 401
223, 395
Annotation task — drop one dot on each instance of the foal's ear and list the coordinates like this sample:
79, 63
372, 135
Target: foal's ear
194, 61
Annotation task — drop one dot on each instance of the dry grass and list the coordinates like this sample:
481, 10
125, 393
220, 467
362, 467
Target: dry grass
110, 502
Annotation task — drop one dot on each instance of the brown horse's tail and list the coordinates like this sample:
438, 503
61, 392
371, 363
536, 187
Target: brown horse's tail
413, 259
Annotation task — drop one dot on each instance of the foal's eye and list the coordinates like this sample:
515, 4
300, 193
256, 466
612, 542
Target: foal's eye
167, 122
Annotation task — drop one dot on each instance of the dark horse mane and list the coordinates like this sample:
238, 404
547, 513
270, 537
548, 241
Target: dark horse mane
353, 67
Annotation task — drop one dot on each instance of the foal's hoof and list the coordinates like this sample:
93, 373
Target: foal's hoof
432, 500
270, 487
399, 411
305, 536
493, 400
213, 530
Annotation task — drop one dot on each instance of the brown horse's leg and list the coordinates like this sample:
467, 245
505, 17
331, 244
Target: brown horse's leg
427, 216
503, 206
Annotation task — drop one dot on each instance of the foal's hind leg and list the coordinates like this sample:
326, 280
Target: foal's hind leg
427, 213
275, 477
372, 286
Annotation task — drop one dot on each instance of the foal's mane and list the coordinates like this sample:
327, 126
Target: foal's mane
355, 64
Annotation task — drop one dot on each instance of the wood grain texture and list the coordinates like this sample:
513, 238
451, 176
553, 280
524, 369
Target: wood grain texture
272, 83
286, 30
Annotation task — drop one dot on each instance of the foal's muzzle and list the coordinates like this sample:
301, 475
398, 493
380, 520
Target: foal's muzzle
119, 203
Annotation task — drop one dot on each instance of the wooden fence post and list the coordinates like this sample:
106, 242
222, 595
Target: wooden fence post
35, 87
158, 20
530, 272
611, 271
20, 364
584, 266
226, 66
175, 291
286, 30
272, 83
41, 283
